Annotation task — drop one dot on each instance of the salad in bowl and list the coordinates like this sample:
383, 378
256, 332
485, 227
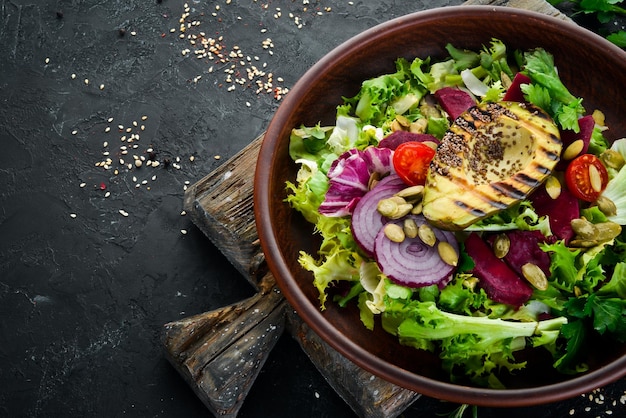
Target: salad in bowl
413, 204
472, 208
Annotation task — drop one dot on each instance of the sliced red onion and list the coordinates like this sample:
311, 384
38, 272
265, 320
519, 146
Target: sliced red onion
413, 263
366, 221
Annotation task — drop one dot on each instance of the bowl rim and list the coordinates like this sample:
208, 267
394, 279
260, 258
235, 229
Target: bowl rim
312, 315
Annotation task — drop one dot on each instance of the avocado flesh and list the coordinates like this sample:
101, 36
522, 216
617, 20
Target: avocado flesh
493, 156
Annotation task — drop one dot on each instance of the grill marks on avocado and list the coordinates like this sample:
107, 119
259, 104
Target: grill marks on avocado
494, 155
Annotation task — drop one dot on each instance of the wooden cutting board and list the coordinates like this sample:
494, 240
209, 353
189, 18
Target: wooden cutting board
205, 348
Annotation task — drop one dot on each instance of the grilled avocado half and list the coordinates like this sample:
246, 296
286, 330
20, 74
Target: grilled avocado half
493, 156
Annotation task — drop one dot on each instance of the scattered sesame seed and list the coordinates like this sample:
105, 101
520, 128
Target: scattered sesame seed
123, 212
101, 86
73, 76
107, 194
73, 215
83, 184
107, 129
47, 61
183, 231
183, 213
87, 81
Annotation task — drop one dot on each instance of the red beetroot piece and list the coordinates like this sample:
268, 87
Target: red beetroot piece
514, 92
586, 124
560, 211
524, 249
396, 138
454, 101
500, 282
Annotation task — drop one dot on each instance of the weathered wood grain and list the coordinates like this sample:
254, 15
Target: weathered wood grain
220, 205
220, 353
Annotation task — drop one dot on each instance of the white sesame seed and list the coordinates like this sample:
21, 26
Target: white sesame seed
183, 231
107, 129
47, 60
183, 213
101, 86
73, 215
74, 132
87, 81
107, 194
83, 184
154, 178
73, 76
123, 212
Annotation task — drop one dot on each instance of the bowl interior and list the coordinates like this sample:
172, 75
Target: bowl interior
590, 67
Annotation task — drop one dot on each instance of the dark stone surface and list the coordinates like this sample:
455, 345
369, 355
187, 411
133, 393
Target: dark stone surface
85, 290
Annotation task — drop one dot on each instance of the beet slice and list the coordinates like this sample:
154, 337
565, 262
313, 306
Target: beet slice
586, 124
525, 249
514, 92
413, 263
500, 282
366, 220
560, 211
396, 138
454, 101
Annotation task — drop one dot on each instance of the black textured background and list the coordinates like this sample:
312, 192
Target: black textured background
85, 290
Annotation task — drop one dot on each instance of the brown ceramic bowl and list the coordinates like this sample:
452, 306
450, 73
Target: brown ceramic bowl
591, 67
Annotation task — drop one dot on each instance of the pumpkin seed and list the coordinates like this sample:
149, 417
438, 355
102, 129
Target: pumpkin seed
410, 228
598, 117
419, 126
606, 206
411, 193
501, 245
417, 208
402, 210
403, 121
583, 228
553, 187
589, 234
427, 235
431, 144
373, 180
594, 178
606, 231
612, 159
387, 207
447, 253
394, 232
573, 149
535, 276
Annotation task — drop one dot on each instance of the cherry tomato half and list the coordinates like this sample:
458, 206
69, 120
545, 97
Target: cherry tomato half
586, 177
411, 160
